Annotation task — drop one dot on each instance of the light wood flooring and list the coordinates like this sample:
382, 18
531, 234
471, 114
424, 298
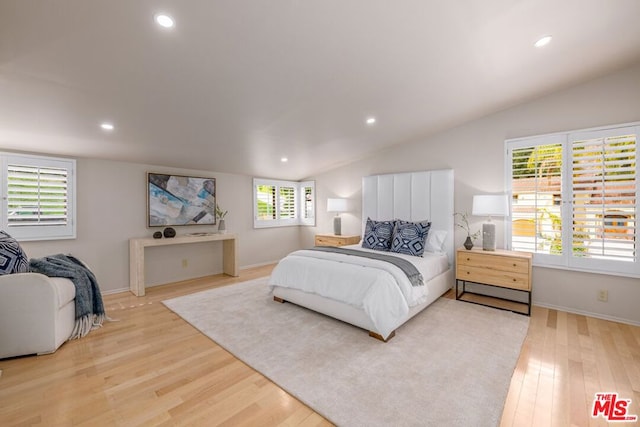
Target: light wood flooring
152, 368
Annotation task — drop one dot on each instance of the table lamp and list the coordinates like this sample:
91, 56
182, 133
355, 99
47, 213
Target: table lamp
489, 205
337, 206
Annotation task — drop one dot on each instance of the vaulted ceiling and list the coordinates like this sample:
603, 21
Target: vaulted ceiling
237, 85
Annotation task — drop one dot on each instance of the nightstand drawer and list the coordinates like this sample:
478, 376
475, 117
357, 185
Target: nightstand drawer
484, 274
333, 240
497, 262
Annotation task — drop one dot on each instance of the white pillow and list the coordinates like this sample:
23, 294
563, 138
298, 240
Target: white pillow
435, 241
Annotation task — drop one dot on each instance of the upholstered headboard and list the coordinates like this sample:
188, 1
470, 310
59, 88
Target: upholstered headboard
412, 196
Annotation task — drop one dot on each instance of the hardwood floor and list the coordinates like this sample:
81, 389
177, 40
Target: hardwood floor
565, 360
152, 368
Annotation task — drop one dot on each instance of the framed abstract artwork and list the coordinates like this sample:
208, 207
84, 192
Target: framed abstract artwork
180, 200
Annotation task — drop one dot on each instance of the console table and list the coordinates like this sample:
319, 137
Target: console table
136, 255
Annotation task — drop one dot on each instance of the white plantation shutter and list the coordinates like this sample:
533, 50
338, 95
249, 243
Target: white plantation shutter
287, 202
605, 190
266, 202
574, 199
308, 203
38, 197
536, 212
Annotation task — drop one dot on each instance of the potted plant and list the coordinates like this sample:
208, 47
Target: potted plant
463, 222
220, 214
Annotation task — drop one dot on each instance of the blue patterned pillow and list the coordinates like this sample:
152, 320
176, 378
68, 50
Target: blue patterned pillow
410, 237
378, 235
12, 257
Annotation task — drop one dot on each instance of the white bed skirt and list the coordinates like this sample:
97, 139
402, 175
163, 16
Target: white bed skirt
356, 316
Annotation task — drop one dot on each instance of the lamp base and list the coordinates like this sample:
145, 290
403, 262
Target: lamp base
337, 225
488, 236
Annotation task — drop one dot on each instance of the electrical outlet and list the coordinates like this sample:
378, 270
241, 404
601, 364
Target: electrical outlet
185, 263
603, 295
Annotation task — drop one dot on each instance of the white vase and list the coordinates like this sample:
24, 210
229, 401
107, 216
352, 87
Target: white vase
222, 228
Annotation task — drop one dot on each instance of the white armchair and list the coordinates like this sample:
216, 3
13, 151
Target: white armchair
37, 313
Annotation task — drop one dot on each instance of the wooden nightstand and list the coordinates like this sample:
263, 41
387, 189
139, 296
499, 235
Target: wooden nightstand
333, 240
500, 268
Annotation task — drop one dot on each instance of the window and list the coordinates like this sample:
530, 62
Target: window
38, 197
308, 203
536, 197
283, 203
574, 199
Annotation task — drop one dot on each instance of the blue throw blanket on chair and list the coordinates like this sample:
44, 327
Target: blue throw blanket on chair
90, 311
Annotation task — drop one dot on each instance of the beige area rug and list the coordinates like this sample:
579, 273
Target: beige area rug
451, 365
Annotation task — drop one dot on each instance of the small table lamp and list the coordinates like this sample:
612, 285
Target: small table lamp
489, 205
337, 206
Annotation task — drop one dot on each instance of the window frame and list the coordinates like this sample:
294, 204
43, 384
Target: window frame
567, 260
299, 207
42, 231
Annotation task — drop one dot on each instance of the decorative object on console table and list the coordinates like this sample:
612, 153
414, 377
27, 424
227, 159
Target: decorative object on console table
489, 205
169, 232
463, 223
335, 240
220, 214
337, 206
501, 268
157, 235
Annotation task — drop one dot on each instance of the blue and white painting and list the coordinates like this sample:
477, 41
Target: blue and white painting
180, 200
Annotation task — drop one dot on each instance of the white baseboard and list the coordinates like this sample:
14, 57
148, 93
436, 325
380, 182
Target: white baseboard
261, 264
115, 291
588, 313
244, 267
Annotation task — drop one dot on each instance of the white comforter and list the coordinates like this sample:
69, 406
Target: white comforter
379, 288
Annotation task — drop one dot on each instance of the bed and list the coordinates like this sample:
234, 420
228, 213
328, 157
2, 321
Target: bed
369, 293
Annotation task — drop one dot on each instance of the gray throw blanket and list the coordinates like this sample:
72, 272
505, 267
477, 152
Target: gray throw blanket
407, 268
89, 307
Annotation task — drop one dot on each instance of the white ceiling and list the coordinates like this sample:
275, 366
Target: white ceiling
239, 84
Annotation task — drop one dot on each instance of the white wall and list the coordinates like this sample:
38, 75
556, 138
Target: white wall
112, 208
476, 153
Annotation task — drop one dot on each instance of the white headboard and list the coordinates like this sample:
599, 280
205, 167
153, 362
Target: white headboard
412, 196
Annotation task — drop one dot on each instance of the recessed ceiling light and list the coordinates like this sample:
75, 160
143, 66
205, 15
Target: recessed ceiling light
284, 160
164, 20
371, 120
543, 41
107, 126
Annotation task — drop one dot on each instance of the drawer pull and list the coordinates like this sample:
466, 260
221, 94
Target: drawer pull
468, 272
514, 264
468, 259
514, 279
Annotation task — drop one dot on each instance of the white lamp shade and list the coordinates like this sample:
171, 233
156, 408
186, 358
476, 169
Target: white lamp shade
490, 205
336, 205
